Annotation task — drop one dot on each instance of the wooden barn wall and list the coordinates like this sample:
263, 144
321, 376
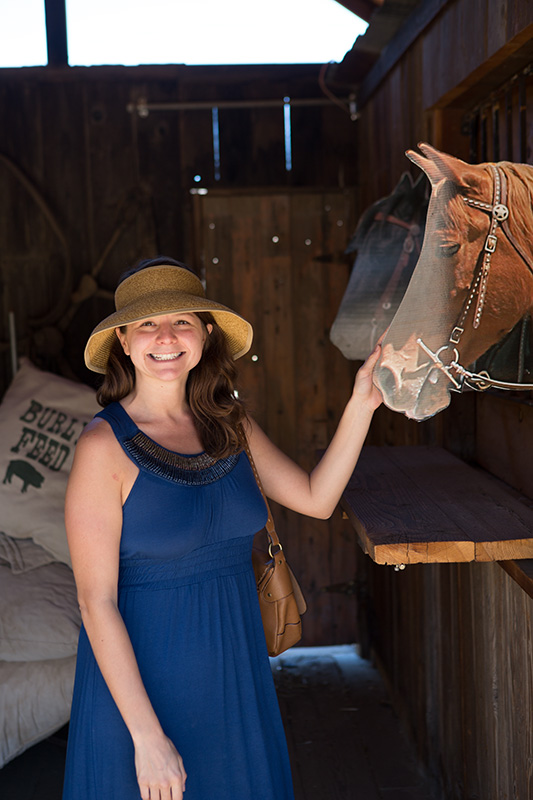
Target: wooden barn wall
455, 641
470, 50
456, 644
288, 275
87, 188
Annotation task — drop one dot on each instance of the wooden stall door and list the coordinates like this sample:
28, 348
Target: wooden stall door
278, 259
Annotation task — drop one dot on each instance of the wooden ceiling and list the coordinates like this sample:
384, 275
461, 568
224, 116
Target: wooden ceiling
363, 8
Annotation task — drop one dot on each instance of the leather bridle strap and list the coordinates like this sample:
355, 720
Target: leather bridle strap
505, 225
499, 214
381, 217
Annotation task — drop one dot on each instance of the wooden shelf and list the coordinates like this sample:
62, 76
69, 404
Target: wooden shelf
412, 505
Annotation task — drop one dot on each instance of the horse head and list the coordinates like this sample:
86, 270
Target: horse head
473, 281
387, 241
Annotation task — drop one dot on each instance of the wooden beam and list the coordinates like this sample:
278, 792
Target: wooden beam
362, 8
499, 68
56, 32
414, 25
412, 505
521, 572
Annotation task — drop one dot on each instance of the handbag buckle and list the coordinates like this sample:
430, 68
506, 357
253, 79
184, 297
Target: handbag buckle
273, 544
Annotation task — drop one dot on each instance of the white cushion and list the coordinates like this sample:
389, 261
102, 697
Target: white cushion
41, 418
22, 555
39, 614
35, 700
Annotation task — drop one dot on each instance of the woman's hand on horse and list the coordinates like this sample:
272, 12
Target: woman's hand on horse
364, 390
160, 771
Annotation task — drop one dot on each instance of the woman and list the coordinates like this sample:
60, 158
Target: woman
173, 683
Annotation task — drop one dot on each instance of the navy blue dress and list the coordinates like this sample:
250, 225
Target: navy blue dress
188, 598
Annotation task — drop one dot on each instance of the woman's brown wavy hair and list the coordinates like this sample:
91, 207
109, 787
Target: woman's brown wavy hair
217, 411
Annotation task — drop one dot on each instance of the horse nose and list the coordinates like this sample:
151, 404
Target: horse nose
388, 380
433, 395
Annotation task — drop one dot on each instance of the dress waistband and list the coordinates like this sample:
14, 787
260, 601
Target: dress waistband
231, 557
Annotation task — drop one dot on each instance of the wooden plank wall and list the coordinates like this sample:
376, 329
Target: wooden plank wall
87, 188
283, 252
455, 641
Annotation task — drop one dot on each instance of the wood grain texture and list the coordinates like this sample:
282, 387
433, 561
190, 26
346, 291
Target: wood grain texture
343, 736
119, 184
422, 504
271, 256
521, 572
504, 440
456, 642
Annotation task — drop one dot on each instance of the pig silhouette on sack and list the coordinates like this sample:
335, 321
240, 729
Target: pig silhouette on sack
28, 474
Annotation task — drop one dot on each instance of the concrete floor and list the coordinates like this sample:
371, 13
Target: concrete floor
344, 739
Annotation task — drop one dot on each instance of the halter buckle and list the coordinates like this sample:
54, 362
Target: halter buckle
491, 242
456, 334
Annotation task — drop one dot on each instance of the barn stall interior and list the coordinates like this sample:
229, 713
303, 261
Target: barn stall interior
452, 631
103, 165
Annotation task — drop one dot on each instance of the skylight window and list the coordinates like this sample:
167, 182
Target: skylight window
209, 31
132, 32
22, 33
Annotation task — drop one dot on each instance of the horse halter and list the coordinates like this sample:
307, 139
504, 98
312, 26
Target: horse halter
499, 214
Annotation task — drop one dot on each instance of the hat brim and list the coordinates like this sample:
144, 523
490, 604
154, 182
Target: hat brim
238, 332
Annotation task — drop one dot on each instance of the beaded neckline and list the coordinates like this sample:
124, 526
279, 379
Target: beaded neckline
188, 470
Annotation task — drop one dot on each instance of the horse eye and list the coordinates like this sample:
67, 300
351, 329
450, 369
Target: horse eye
448, 250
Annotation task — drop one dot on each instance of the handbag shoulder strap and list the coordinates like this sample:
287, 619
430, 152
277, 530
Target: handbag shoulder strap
271, 530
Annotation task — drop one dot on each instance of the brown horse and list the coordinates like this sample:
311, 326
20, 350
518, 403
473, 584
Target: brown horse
473, 283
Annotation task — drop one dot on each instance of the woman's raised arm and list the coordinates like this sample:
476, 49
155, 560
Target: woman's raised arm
317, 494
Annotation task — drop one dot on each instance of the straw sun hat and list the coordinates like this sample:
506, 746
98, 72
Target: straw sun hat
163, 290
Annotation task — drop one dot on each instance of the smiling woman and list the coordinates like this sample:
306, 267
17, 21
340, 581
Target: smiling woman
173, 681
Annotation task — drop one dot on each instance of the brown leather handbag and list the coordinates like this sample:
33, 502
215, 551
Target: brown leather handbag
280, 598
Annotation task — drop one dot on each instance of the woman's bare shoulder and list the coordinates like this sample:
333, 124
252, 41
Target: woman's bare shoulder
100, 462
97, 430
98, 441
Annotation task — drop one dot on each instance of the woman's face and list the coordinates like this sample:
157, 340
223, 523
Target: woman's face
165, 346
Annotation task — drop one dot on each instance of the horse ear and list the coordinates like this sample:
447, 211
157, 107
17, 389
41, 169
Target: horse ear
426, 165
439, 165
404, 185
